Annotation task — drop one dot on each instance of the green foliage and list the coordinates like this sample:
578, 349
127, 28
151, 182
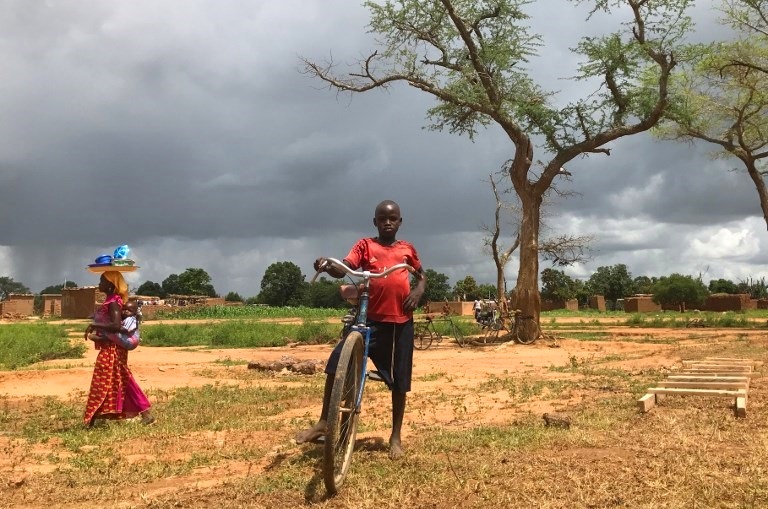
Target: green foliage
679, 290
757, 289
324, 293
557, 285
723, 286
8, 286
487, 291
438, 289
644, 284
233, 297
283, 285
25, 344
614, 282
259, 312
190, 282
151, 289
56, 289
467, 289
237, 334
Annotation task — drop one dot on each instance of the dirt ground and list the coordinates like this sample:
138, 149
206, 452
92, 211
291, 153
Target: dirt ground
169, 368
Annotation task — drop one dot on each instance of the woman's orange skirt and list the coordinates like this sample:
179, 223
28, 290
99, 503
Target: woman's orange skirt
114, 393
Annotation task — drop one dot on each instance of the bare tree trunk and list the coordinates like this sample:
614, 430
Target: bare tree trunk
762, 192
527, 298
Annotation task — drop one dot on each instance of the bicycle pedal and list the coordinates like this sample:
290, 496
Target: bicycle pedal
375, 376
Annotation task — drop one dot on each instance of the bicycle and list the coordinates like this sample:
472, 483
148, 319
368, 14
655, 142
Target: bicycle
349, 382
425, 333
497, 323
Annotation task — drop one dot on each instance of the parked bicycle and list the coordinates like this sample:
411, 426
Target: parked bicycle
496, 324
351, 374
425, 332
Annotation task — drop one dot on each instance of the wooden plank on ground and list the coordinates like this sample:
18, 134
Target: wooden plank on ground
716, 367
702, 385
724, 372
728, 359
705, 378
647, 402
698, 392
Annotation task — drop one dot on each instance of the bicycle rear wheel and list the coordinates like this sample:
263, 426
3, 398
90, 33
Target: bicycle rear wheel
457, 333
422, 338
526, 330
343, 413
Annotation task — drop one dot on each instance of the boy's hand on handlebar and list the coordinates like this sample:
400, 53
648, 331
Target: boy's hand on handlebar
321, 264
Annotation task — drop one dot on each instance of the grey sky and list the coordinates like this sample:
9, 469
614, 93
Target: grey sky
186, 130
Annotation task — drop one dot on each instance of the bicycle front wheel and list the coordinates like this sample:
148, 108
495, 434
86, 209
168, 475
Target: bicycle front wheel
343, 413
422, 338
457, 334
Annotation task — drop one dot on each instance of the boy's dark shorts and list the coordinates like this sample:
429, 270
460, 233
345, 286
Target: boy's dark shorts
380, 352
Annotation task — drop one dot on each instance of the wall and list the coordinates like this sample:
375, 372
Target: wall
18, 304
79, 302
643, 304
51, 304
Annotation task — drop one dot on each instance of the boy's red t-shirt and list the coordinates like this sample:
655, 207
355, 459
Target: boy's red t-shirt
386, 294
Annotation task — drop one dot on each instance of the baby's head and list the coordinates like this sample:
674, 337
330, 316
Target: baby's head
131, 308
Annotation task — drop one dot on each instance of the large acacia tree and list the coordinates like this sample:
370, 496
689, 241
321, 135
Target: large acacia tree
471, 55
723, 98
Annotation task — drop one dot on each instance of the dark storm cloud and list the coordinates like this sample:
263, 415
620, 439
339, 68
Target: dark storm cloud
189, 132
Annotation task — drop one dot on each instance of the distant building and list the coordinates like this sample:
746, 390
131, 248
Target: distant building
18, 304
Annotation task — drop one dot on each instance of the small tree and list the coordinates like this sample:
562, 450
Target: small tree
679, 291
56, 289
614, 282
282, 285
723, 286
8, 286
557, 285
438, 289
151, 289
233, 297
644, 284
324, 293
466, 289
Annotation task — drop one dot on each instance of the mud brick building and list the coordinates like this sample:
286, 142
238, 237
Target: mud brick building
51, 304
18, 304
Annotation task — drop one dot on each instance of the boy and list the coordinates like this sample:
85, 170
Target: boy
390, 314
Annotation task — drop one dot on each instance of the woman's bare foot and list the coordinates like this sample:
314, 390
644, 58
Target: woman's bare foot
311, 434
395, 448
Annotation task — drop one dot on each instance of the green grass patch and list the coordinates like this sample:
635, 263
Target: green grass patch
247, 312
238, 334
25, 344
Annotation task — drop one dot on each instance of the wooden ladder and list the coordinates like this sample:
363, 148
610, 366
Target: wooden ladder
713, 376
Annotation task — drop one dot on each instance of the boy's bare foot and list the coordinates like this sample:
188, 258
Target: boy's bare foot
395, 449
311, 434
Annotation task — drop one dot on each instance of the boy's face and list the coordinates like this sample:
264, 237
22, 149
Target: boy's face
130, 309
387, 220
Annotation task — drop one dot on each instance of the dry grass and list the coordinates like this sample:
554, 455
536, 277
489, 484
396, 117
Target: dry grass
477, 446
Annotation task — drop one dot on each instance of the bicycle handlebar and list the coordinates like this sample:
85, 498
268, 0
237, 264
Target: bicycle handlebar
365, 274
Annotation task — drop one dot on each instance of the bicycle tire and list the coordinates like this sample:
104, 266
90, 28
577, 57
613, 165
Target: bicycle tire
522, 338
457, 334
343, 413
422, 339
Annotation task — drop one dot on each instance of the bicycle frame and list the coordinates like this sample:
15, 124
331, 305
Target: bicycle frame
360, 324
